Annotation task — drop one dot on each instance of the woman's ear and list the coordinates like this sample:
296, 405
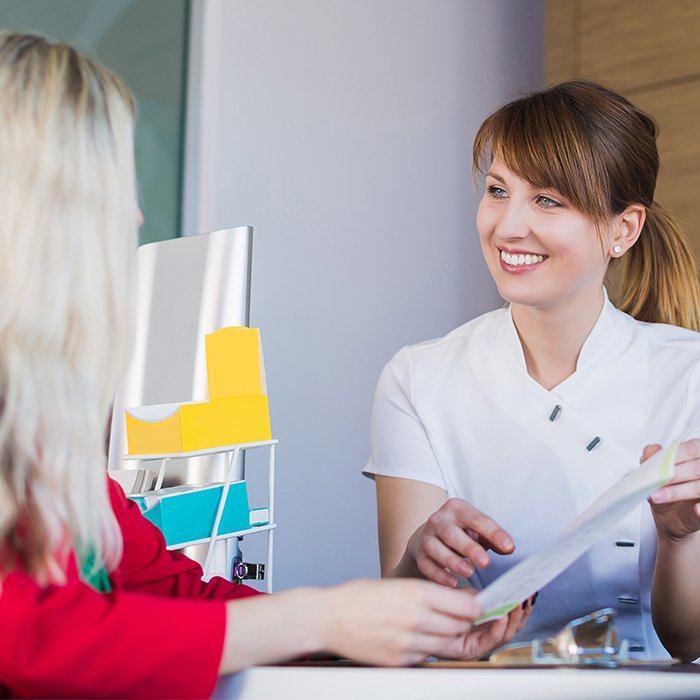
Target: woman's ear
627, 229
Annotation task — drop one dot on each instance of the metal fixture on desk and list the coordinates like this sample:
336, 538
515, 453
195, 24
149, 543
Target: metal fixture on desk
591, 640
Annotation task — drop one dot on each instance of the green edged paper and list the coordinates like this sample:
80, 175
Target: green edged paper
532, 574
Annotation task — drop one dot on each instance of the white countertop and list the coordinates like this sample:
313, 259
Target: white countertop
349, 683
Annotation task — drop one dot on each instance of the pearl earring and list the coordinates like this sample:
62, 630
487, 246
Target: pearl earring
617, 249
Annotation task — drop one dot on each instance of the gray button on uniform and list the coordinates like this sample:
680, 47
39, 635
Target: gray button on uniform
592, 443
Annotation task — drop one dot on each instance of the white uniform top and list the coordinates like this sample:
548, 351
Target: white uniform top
461, 412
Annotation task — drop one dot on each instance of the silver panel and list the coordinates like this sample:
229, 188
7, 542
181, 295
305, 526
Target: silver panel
186, 287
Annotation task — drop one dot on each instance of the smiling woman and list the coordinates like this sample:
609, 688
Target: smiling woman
496, 435
585, 159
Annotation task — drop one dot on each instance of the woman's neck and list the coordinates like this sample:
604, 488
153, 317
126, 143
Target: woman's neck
552, 337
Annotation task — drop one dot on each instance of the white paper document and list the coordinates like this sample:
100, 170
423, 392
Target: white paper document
535, 572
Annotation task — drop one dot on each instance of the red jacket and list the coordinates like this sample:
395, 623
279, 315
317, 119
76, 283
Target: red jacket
159, 633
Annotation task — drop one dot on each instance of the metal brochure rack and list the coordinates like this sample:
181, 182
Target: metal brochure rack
232, 474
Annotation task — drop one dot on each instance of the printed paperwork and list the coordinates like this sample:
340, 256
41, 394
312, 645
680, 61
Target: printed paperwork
532, 574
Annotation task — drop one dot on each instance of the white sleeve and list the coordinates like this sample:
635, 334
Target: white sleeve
399, 443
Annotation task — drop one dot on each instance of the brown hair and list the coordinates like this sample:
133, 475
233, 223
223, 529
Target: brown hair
599, 150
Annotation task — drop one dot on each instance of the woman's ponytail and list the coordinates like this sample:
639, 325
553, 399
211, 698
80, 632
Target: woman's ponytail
659, 280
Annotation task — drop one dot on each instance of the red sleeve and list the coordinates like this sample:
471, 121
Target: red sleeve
70, 641
147, 566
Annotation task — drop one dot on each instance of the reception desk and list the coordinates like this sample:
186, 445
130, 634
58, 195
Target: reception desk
357, 683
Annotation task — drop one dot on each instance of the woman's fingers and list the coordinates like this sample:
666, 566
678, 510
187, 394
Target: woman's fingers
688, 491
507, 627
442, 555
470, 517
483, 639
688, 450
686, 471
516, 620
493, 634
457, 603
685, 485
445, 625
443, 550
513, 622
434, 572
411, 648
450, 547
464, 544
397, 621
445, 615
424, 645
649, 451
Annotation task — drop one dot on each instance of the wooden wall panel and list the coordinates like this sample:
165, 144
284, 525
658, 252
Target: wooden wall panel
677, 109
559, 39
633, 43
648, 50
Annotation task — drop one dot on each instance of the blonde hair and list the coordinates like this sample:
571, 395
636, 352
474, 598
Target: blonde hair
67, 239
599, 150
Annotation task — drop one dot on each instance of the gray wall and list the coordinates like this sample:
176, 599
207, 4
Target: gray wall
341, 131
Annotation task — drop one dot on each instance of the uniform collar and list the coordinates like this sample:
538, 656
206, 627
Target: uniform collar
601, 335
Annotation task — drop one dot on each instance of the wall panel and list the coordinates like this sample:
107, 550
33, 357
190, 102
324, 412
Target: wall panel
635, 43
649, 51
677, 108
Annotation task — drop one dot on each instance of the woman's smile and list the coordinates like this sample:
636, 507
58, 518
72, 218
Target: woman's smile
520, 261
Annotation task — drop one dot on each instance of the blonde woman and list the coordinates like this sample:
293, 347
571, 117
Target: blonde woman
497, 435
91, 603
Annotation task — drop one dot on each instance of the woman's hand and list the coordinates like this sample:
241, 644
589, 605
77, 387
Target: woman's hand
676, 506
481, 640
399, 622
675, 602
389, 622
453, 541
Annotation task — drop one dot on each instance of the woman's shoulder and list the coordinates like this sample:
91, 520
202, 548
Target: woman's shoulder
666, 348
665, 336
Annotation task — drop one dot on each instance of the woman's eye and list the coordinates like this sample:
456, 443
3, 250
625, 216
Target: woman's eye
548, 202
495, 191
499, 193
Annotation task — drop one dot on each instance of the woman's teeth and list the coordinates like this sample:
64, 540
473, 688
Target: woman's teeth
520, 259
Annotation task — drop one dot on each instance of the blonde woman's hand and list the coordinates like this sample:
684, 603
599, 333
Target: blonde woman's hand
479, 641
396, 622
389, 622
676, 506
453, 542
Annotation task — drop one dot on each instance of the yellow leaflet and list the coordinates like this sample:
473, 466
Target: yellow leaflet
233, 362
201, 426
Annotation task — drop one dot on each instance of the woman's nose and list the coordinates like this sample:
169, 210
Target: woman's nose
513, 223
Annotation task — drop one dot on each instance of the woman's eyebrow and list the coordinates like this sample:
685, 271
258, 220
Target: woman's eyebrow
501, 179
496, 176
